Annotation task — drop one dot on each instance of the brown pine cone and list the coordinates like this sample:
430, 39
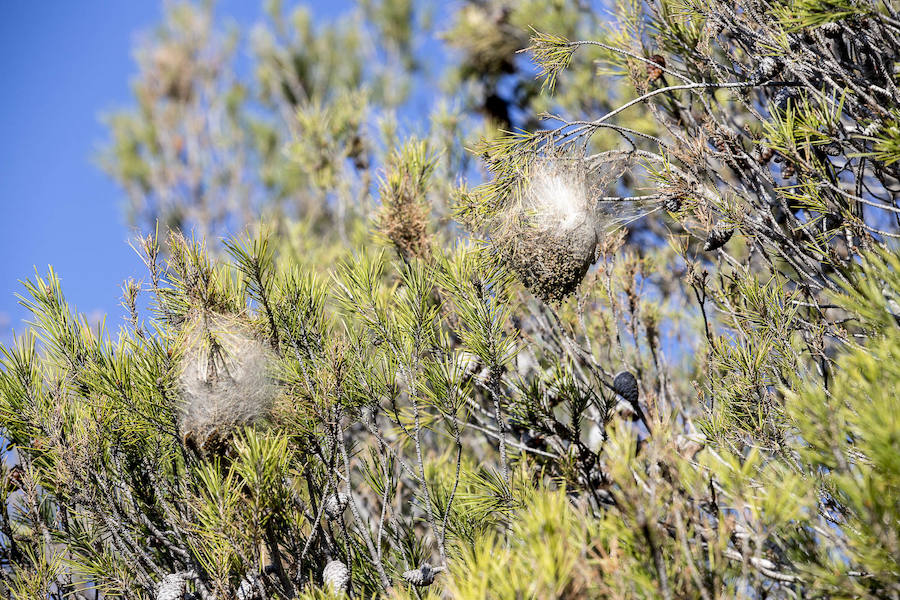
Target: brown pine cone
653, 71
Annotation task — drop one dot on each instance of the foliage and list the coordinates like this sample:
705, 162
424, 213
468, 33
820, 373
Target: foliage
410, 376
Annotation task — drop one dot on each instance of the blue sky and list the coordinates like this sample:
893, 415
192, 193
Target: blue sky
63, 64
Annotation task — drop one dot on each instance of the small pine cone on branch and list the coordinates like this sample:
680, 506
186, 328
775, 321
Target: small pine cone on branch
783, 98
626, 386
719, 142
672, 203
872, 128
247, 588
422, 576
655, 71
831, 29
765, 155
335, 504
173, 586
890, 302
718, 237
336, 577
768, 68
832, 149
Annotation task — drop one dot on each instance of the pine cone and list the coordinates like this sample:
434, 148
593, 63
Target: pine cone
830, 29
626, 386
247, 588
335, 505
783, 98
672, 204
654, 71
768, 68
890, 302
173, 586
719, 143
336, 576
765, 155
740, 532
422, 576
832, 149
872, 128
718, 237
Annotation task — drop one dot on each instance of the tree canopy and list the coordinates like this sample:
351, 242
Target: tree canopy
540, 299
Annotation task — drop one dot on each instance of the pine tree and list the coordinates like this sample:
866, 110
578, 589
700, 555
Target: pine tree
650, 351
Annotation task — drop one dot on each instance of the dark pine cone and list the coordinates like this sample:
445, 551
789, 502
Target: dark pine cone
783, 98
626, 386
832, 149
768, 68
717, 238
672, 203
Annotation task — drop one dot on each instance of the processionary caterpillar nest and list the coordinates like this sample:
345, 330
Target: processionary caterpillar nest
226, 379
550, 232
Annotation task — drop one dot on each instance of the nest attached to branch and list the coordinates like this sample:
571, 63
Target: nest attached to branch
226, 380
550, 233
171, 70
